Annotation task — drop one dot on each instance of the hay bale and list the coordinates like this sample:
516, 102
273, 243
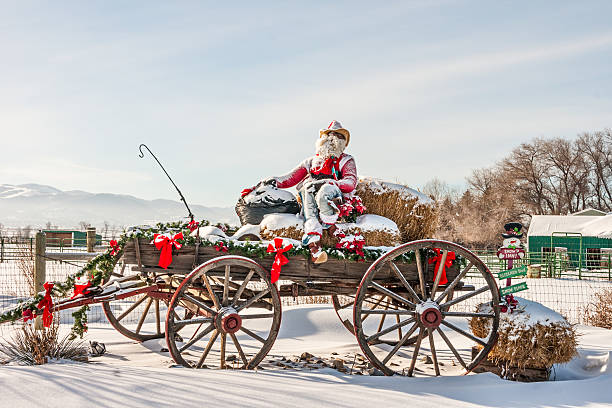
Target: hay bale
537, 337
282, 225
413, 212
376, 230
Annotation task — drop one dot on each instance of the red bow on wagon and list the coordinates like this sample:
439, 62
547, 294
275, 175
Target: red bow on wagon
164, 242
450, 257
279, 258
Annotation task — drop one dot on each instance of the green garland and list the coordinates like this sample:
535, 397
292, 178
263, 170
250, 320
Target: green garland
99, 269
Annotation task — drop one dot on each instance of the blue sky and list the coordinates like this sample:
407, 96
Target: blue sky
228, 93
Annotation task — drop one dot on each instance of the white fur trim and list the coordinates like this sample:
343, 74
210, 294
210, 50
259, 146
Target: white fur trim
313, 226
329, 219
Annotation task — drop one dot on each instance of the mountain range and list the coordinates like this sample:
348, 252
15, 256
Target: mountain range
37, 205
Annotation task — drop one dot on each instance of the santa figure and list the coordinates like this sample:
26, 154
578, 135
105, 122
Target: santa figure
322, 180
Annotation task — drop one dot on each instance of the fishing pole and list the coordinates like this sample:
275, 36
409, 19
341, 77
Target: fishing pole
141, 155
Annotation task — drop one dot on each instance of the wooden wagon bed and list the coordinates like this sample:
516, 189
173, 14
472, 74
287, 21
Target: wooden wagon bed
336, 276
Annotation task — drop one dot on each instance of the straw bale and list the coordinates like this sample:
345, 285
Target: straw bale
527, 342
414, 213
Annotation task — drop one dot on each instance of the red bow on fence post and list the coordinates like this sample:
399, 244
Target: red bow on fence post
450, 257
279, 258
46, 304
115, 248
164, 243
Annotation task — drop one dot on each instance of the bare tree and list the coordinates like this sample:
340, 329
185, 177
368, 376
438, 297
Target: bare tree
596, 149
84, 225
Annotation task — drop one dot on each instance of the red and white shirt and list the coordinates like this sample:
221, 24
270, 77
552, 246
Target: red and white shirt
341, 171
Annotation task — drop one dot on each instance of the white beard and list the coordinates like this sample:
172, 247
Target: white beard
328, 146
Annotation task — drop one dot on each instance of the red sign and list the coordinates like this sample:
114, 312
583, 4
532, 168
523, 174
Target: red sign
510, 253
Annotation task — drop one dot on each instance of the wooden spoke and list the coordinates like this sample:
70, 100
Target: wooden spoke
252, 300
253, 335
399, 329
417, 254
242, 287
239, 348
388, 312
211, 341
226, 285
257, 316
401, 343
454, 283
415, 353
157, 317
193, 340
432, 347
384, 316
223, 341
211, 293
197, 320
468, 314
365, 316
466, 334
390, 329
199, 304
464, 297
439, 274
404, 281
389, 293
450, 346
144, 315
131, 308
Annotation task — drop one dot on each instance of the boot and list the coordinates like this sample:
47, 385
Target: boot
317, 254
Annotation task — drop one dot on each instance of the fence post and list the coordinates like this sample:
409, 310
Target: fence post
91, 238
40, 273
1, 249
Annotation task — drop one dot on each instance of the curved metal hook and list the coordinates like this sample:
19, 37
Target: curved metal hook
141, 155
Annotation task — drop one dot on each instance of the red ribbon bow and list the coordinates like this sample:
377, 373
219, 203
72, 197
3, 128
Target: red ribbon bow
114, 247
450, 257
27, 315
193, 225
164, 242
279, 258
80, 287
46, 304
221, 247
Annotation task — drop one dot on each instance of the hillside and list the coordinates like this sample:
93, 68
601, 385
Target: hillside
36, 205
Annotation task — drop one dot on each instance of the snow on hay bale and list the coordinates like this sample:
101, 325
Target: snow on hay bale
413, 212
376, 230
537, 337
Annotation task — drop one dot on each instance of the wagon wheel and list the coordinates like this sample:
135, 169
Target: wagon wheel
343, 305
140, 317
439, 323
236, 315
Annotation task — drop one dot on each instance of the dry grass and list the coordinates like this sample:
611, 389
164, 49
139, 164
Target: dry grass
415, 220
35, 347
599, 312
371, 238
537, 346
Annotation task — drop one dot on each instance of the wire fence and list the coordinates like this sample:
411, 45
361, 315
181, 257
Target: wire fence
555, 280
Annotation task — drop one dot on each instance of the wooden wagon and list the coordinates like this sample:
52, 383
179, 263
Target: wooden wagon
217, 310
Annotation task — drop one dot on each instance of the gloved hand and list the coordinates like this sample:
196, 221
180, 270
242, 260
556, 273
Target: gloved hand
271, 181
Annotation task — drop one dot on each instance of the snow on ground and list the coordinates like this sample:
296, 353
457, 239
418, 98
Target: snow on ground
143, 375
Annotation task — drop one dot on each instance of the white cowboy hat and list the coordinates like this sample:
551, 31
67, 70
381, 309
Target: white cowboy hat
336, 126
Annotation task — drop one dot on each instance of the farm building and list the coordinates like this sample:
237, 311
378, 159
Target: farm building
69, 238
583, 241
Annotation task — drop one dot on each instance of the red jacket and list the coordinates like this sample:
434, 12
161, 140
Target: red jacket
347, 181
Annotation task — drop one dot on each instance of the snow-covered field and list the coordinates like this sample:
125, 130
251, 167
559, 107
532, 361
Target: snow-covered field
143, 375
